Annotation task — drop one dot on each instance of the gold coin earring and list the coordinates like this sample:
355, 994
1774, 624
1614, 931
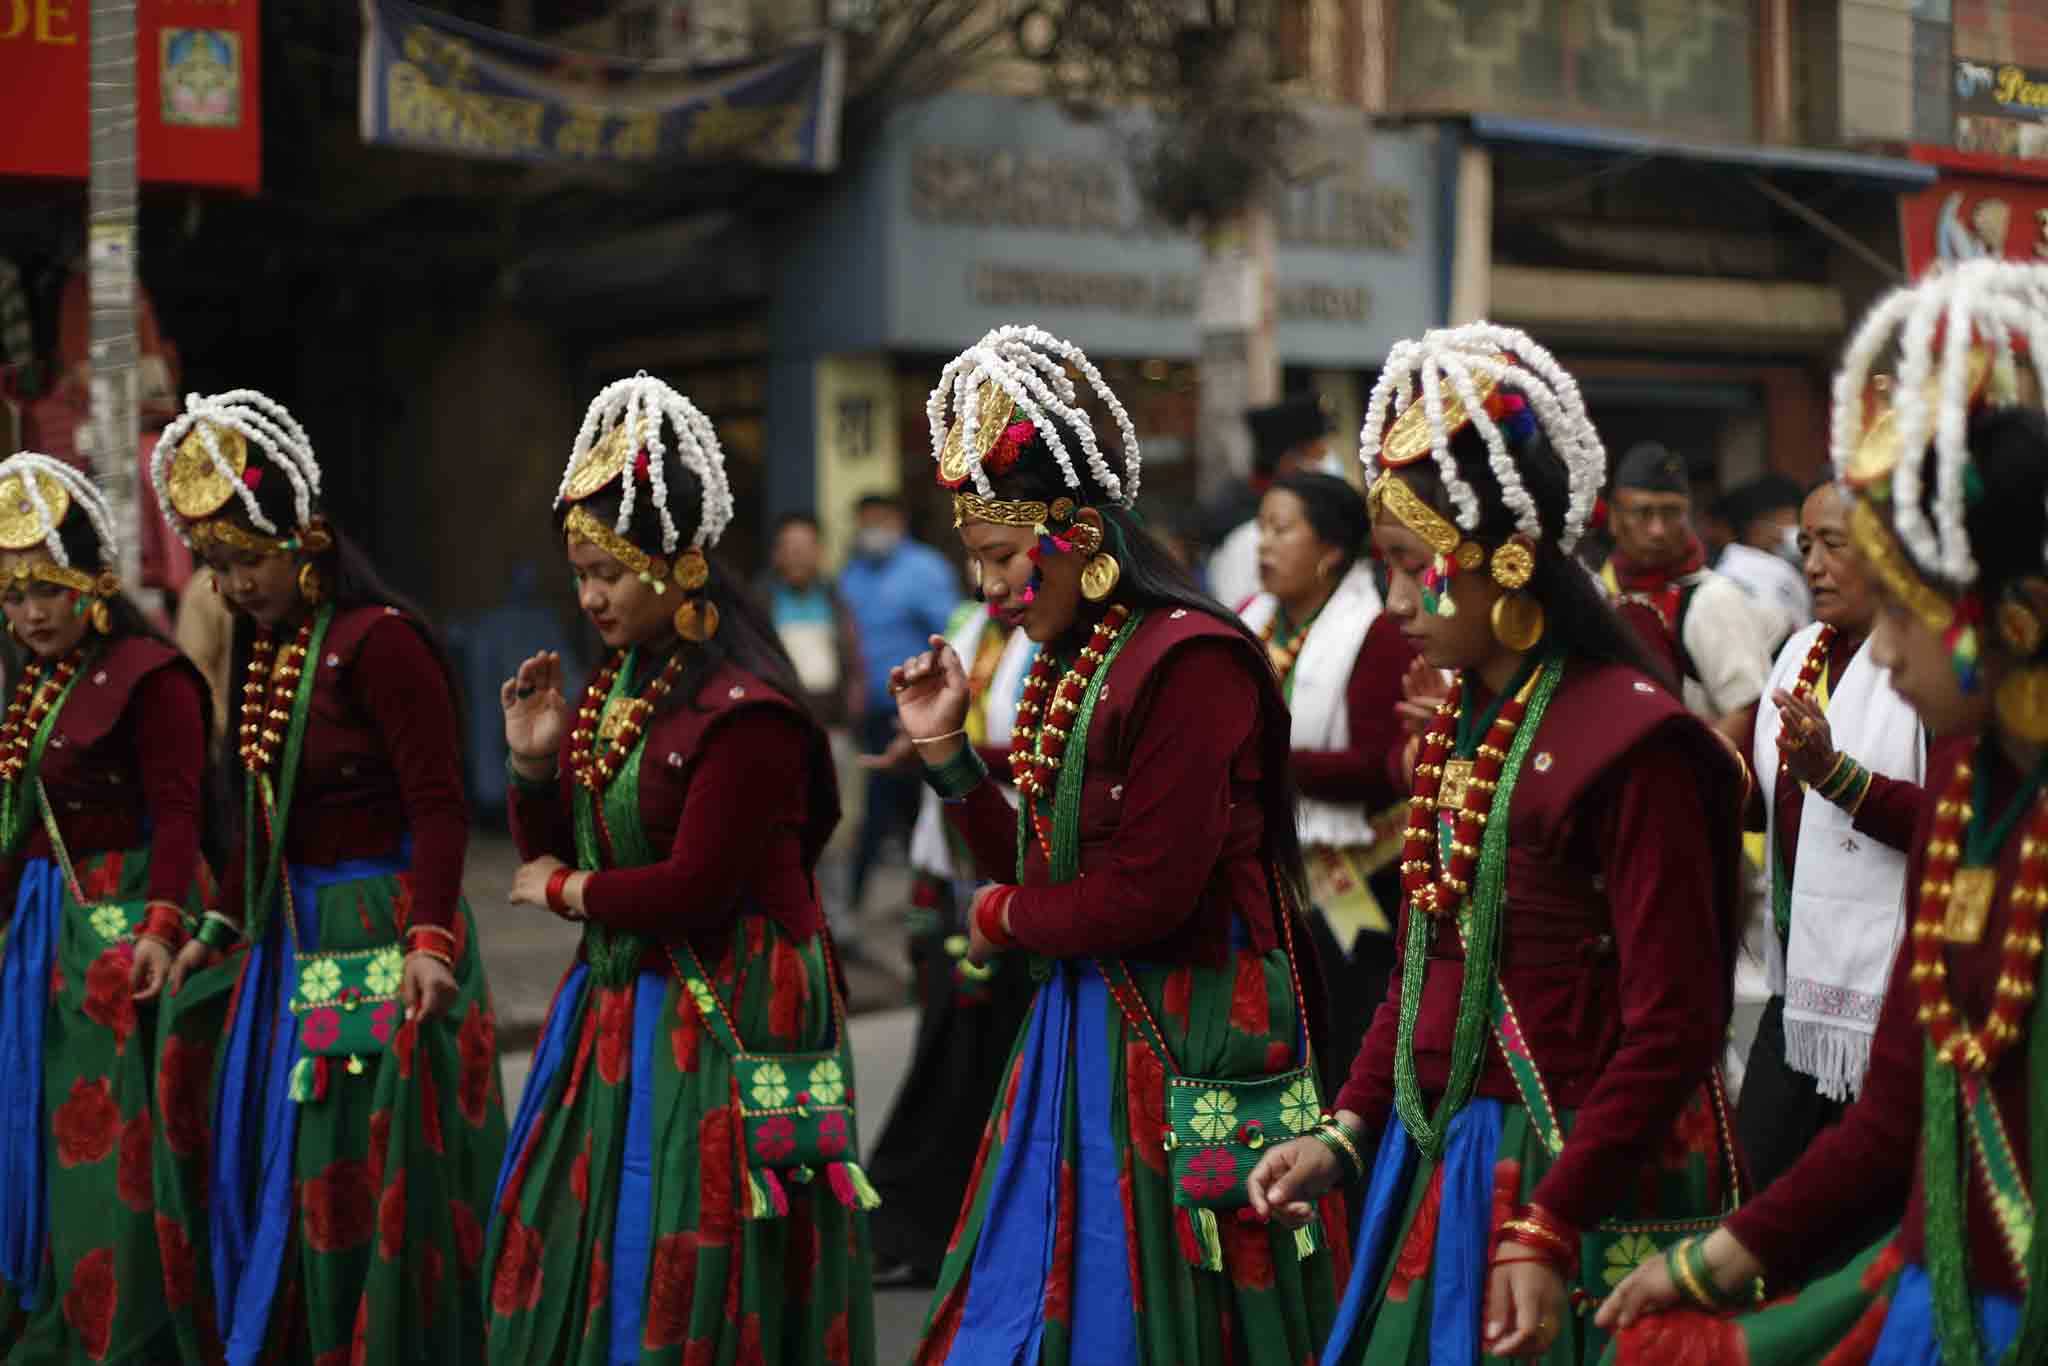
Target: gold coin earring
102, 617
1518, 620
1100, 575
697, 621
311, 587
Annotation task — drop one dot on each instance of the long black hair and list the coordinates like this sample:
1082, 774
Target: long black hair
2004, 514
1578, 617
745, 638
1153, 579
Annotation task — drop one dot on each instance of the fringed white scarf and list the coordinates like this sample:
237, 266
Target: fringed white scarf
1848, 890
1322, 677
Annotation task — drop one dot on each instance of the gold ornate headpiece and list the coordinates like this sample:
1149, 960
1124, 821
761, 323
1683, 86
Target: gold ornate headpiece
1408, 438
690, 572
198, 488
22, 524
37, 494
1871, 533
1514, 563
1040, 517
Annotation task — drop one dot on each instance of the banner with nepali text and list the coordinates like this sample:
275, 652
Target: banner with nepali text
436, 83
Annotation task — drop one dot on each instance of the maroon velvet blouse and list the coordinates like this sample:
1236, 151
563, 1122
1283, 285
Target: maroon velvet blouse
124, 764
1872, 1160
728, 797
1616, 946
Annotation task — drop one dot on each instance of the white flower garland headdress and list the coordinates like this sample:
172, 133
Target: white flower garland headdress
267, 426
1469, 363
32, 468
640, 405
1977, 306
1028, 364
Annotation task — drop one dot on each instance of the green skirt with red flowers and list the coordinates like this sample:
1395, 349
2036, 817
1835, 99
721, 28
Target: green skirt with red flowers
1069, 1248
321, 1211
623, 1228
1418, 1288
79, 1275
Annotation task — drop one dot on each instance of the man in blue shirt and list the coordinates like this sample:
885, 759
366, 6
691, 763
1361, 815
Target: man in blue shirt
901, 593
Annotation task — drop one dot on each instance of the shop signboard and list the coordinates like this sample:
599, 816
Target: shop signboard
198, 110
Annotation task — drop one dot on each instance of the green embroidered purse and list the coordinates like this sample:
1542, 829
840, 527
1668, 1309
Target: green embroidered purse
114, 922
796, 1109
346, 1002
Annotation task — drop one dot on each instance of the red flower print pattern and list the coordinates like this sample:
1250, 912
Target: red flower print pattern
403, 1045
380, 1143
1420, 1243
671, 1291
477, 1042
108, 1002
183, 1076
579, 1175
181, 1283
85, 1126
774, 1138
614, 1034
90, 1302
1210, 1175
1059, 1280
600, 1284
319, 1029
469, 1236
832, 1134
1693, 1134
391, 1220
788, 991
516, 1287
134, 1184
1681, 1337
1247, 1252
717, 1186
1145, 1102
1250, 1009
686, 1039
838, 1342
338, 1208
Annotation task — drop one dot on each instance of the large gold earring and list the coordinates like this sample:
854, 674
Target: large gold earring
1518, 621
2022, 702
1099, 577
697, 621
102, 617
310, 586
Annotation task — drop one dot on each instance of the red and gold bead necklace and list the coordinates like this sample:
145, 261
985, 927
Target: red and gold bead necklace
1810, 670
591, 769
1038, 739
1282, 657
34, 695
1462, 789
268, 691
1940, 920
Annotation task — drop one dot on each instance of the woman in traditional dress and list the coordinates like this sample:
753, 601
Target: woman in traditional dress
1539, 1084
332, 1209
1149, 876
1341, 663
969, 1012
682, 1181
1948, 488
1839, 758
102, 752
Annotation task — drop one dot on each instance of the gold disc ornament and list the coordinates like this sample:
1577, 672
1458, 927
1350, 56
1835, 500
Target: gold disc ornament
1099, 577
993, 409
197, 488
21, 526
1518, 621
600, 465
691, 572
1407, 439
1513, 564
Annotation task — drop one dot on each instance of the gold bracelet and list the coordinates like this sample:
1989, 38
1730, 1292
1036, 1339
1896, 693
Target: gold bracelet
1335, 1129
934, 739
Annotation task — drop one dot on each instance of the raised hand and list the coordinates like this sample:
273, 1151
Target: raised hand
931, 698
536, 713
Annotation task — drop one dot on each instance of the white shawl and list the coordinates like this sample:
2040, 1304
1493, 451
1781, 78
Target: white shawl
929, 850
1322, 677
1848, 891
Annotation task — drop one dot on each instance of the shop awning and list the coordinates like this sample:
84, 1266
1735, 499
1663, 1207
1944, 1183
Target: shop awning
1872, 172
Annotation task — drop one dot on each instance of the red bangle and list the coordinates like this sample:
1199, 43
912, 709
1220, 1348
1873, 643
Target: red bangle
165, 923
988, 918
557, 881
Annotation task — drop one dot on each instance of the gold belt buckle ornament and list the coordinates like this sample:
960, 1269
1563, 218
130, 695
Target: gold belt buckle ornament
1450, 795
1969, 904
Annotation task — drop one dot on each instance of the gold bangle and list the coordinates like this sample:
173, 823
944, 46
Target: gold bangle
1335, 1129
934, 739
439, 957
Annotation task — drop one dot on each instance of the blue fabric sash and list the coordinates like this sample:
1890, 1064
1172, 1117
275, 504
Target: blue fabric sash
1908, 1338
252, 1209
1464, 1220
556, 1039
1065, 1053
24, 1005
633, 1225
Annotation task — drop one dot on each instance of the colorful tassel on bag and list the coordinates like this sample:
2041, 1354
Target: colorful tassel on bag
766, 1199
1306, 1243
308, 1081
1201, 1242
851, 1187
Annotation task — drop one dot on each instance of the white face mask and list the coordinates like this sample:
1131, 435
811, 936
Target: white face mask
876, 542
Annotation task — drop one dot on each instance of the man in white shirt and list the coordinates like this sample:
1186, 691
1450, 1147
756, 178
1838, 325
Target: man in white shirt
1763, 557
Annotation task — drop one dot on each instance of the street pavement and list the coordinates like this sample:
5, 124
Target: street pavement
526, 951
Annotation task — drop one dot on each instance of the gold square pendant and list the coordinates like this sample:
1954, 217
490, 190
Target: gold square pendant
1450, 796
1969, 904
